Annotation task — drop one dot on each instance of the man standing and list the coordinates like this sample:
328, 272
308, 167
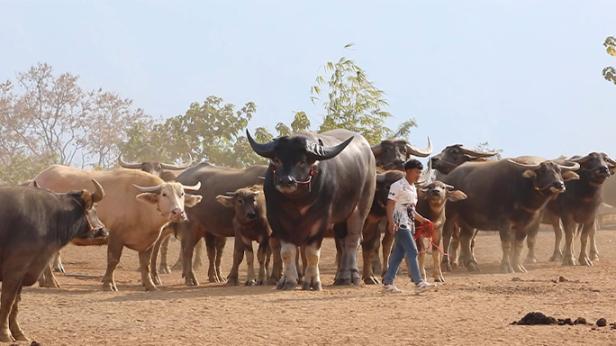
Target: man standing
401, 215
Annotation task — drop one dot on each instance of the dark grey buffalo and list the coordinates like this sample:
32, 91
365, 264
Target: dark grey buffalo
393, 153
576, 208
211, 220
505, 195
35, 224
316, 182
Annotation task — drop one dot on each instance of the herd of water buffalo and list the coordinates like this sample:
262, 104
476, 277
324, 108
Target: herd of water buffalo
332, 184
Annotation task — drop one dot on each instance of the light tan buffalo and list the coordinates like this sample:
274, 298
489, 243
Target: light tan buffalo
136, 207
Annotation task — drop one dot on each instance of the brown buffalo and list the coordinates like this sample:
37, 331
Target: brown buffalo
250, 224
393, 153
137, 206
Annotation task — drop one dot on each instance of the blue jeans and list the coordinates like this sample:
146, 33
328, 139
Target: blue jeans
404, 245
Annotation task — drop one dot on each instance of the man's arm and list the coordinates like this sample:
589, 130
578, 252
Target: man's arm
391, 225
419, 217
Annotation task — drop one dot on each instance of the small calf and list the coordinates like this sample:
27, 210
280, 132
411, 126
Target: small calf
250, 224
431, 205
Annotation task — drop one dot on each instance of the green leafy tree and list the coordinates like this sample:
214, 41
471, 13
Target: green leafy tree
300, 122
609, 73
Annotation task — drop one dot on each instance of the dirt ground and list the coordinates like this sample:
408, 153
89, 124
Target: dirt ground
467, 309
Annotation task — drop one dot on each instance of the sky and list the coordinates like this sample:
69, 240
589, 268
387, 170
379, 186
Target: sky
524, 76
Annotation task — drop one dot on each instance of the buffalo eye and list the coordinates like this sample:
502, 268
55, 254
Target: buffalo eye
240, 202
164, 194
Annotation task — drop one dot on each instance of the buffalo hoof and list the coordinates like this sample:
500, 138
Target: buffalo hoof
286, 284
342, 282
6, 337
594, 256
439, 278
556, 257
110, 287
151, 288
59, 269
530, 260
164, 269
156, 279
312, 286
472, 267
21, 337
569, 261
518, 268
191, 280
272, 281
356, 279
233, 281
261, 282
49, 283
372, 280
585, 261
454, 265
252, 282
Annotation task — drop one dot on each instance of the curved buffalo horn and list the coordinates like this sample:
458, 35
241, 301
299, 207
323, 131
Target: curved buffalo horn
412, 150
320, 152
449, 187
230, 194
266, 150
568, 166
477, 153
609, 160
99, 194
180, 166
131, 165
154, 189
524, 165
195, 187
377, 149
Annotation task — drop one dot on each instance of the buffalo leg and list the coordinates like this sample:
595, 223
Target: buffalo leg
569, 226
114, 253
144, 263
506, 237
48, 279
437, 274
312, 277
289, 278
530, 243
188, 247
594, 253
277, 264
516, 251
454, 248
10, 289
263, 258
164, 236
57, 263
163, 251
238, 257
370, 245
421, 259
557, 255
220, 247
466, 235
250, 263
586, 231
349, 270
448, 230
197, 254
18, 334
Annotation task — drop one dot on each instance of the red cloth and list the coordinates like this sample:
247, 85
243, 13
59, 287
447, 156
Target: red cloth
424, 230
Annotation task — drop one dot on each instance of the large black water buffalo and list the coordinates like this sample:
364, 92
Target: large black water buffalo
35, 224
211, 219
311, 185
576, 207
393, 153
505, 195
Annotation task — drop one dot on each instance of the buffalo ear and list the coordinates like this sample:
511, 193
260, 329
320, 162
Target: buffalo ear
226, 201
148, 197
456, 195
529, 173
192, 200
421, 193
570, 175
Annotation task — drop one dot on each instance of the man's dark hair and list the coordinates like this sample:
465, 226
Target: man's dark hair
412, 163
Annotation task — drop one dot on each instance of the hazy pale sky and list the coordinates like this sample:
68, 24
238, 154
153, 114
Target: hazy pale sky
523, 75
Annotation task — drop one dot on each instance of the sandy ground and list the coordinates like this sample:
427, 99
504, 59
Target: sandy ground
468, 309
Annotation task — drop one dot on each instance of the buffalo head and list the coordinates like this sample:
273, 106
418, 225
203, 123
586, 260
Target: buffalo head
94, 231
170, 199
392, 153
548, 176
244, 203
455, 155
156, 168
294, 159
595, 167
438, 193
